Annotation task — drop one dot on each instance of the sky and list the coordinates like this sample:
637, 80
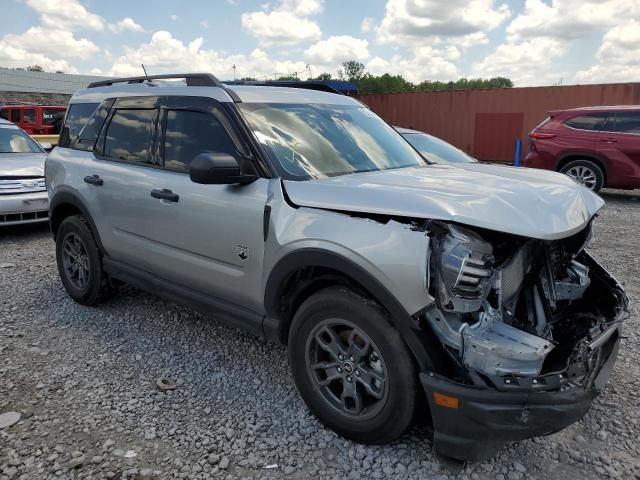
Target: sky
533, 42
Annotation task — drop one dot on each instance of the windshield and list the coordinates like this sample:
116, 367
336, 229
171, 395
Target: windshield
436, 150
308, 141
14, 140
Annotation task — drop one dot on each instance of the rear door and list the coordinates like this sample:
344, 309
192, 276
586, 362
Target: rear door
619, 143
121, 176
580, 133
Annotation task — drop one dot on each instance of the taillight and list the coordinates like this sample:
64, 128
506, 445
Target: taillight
541, 136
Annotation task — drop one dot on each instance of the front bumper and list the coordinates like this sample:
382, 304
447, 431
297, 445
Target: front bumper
21, 208
487, 419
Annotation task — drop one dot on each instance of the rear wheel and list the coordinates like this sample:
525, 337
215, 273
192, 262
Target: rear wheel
352, 367
80, 263
585, 172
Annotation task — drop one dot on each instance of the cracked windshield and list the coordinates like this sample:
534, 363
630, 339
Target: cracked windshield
315, 141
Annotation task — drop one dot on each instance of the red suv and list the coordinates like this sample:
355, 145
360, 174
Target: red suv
598, 146
35, 119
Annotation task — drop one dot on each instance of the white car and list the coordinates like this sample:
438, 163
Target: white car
23, 194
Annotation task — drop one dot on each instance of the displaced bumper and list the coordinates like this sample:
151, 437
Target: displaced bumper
24, 208
487, 419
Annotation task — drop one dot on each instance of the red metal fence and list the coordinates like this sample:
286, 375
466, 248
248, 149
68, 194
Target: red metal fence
486, 123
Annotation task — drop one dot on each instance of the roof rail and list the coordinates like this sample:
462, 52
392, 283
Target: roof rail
192, 79
344, 88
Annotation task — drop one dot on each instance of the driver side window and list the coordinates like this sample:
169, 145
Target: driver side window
189, 133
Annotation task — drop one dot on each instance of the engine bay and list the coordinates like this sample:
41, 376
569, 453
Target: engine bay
508, 306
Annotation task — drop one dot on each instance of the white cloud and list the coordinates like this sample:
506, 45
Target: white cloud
368, 25
285, 24
166, 54
204, 24
57, 42
530, 62
417, 21
539, 38
127, 24
66, 15
471, 40
337, 49
618, 56
174, 17
16, 57
569, 19
303, 8
425, 63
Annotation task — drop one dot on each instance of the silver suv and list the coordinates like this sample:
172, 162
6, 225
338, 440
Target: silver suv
398, 284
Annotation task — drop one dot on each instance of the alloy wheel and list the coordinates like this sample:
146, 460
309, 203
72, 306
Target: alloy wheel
75, 261
584, 175
347, 368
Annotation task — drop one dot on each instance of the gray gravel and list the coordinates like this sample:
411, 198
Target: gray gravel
84, 382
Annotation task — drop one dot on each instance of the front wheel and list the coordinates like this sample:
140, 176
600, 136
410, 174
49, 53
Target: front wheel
585, 172
351, 367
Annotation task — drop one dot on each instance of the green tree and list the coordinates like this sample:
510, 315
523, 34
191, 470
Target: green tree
353, 70
323, 76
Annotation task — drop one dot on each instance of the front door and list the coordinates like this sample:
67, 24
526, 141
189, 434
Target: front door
208, 238
619, 143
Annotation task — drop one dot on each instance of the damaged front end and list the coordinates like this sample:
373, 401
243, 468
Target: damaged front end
531, 327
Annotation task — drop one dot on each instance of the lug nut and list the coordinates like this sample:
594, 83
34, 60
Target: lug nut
349, 379
357, 373
351, 358
341, 357
339, 369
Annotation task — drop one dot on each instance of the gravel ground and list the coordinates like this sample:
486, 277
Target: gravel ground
84, 382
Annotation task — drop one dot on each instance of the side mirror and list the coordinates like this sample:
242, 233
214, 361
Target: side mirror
46, 146
218, 168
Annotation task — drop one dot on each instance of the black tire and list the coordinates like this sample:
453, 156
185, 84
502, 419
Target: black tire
98, 288
586, 172
390, 416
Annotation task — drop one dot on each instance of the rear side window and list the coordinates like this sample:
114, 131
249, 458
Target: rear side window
128, 135
189, 133
591, 121
29, 116
627, 122
77, 116
15, 115
4, 114
86, 139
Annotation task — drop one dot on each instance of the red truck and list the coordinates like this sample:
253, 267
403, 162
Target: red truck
35, 119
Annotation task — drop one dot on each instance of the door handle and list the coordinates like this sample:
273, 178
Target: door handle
608, 140
165, 194
94, 180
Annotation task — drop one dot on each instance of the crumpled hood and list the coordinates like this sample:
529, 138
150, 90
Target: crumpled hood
521, 201
22, 164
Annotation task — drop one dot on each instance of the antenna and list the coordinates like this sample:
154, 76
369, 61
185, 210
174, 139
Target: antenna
144, 70
234, 71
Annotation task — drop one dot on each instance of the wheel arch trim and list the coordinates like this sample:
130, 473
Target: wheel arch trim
579, 155
316, 257
69, 196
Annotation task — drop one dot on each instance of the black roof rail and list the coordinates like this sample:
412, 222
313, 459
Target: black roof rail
192, 79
